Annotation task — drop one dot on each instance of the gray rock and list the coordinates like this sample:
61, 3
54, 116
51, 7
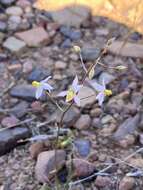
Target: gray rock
70, 33
2, 35
7, 2
83, 146
14, 10
3, 56
3, 26
14, 22
20, 109
71, 16
129, 126
26, 92
137, 98
141, 123
14, 45
108, 78
141, 138
38, 74
90, 54
66, 44
83, 122
46, 164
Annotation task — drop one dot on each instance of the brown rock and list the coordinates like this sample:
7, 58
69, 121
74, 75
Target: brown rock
60, 65
14, 67
46, 164
93, 156
127, 183
127, 141
37, 106
102, 181
35, 149
81, 168
96, 112
108, 130
137, 162
141, 138
34, 37
77, 187
83, 122
129, 49
87, 96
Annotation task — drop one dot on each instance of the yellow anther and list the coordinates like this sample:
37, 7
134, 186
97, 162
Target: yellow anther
70, 95
35, 84
107, 92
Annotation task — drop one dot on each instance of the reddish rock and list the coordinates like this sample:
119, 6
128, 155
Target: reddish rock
127, 183
36, 148
102, 181
34, 37
83, 122
82, 168
45, 165
36, 106
9, 121
127, 141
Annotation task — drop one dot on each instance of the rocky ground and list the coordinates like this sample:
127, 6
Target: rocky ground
36, 44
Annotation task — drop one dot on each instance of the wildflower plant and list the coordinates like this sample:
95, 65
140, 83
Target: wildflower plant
71, 94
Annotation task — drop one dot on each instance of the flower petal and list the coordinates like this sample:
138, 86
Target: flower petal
103, 83
77, 100
47, 86
96, 86
77, 88
39, 91
75, 82
62, 94
100, 98
46, 79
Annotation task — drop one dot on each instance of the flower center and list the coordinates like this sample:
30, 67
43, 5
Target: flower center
35, 84
107, 92
70, 95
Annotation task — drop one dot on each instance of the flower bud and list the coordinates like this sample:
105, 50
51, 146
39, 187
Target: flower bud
76, 49
121, 67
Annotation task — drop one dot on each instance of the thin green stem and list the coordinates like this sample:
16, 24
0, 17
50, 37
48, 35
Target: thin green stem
54, 102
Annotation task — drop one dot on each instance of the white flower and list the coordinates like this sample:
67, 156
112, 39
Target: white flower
42, 85
72, 93
102, 91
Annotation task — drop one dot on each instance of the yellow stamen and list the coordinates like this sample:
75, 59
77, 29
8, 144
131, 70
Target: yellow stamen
35, 84
107, 92
70, 95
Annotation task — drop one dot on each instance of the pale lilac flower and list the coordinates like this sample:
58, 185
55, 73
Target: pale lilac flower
41, 86
72, 93
102, 91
